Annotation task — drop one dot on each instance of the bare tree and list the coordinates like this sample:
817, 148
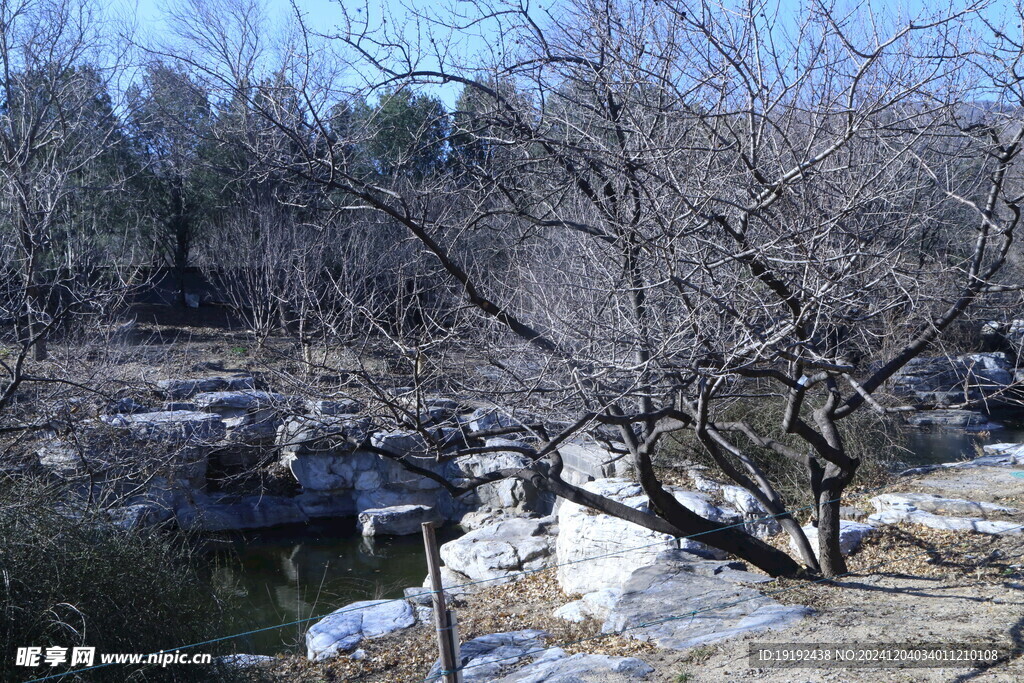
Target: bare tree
686, 208
59, 137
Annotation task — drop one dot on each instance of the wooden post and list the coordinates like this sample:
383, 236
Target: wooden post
444, 621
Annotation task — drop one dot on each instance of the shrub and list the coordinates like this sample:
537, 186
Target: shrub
69, 578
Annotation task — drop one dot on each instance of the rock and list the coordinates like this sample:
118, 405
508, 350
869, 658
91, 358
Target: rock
677, 609
853, 514
242, 661
326, 504
757, 520
968, 420
487, 419
452, 582
127, 406
331, 408
483, 658
209, 513
929, 502
400, 520
138, 515
170, 426
586, 461
981, 526
179, 389
321, 453
342, 471
600, 551
594, 605
702, 482
252, 430
941, 380
236, 403
851, 535
342, 630
511, 493
476, 519
555, 666
495, 551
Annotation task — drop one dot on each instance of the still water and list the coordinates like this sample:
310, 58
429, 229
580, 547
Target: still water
297, 572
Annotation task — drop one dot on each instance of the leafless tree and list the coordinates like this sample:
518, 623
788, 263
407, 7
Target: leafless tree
683, 207
58, 128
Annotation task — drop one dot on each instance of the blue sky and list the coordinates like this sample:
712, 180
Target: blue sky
324, 15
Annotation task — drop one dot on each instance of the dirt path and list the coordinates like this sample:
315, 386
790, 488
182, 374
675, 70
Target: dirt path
913, 585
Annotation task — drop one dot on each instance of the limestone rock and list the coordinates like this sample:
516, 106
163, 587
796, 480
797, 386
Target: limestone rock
851, 535
400, 520
683, 609
345, 628
933, 521
180, 389
594, 605
935, 504
501, 549
600, 551
483, 658
555, 666
250, 512
452, 582
331, 408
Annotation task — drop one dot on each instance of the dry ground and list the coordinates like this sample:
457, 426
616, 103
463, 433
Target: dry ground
909, 585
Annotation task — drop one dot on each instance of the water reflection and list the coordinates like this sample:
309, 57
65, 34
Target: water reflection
300, 571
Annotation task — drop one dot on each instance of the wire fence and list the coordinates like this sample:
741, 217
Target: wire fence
522, 573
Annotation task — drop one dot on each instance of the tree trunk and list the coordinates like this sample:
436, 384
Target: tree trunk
830, 557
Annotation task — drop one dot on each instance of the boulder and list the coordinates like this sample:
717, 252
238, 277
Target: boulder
757, 521
331, 408
210, 513
235, 403
981, 526
585, 461
600, 551
594, 605
483, 658
303, 435
935, 504
453, 583
180, 389
344, 629
851, 535
942, 380
554, 665
676, 609
487, 419
511, 493
401, 520
495, 551
169, 426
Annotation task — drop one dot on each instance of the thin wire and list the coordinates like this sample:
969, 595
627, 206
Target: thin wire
505, 578
690, 615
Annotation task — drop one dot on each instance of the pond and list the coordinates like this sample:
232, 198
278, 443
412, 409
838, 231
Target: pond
932, 446
296, 572
299, 571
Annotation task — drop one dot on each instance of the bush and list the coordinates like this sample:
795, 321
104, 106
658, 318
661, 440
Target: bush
877, 441
75, 580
